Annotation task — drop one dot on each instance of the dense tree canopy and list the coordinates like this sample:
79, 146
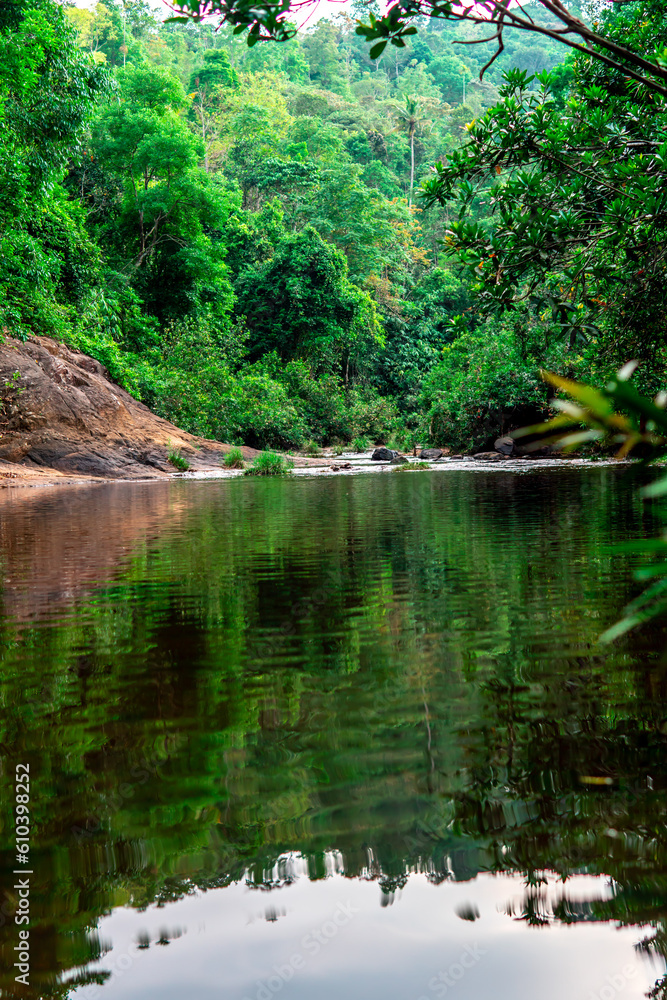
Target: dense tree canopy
390, 227
550, 18
576, 190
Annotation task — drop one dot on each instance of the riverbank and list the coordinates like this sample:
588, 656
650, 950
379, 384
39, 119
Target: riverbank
64, 422
345, 465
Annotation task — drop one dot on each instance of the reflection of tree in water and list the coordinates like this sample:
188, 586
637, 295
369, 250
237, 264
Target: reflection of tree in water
441, 710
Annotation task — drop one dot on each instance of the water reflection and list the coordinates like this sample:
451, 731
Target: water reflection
389, 678
333, 940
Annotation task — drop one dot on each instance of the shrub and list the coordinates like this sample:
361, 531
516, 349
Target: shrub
328, 411
234, 459
269, 464
174, 456
258, 411
361, 444
312, 448
370, 414
201, 391
482, 387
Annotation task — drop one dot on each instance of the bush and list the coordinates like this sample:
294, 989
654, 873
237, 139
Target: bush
258, 411
174, 456
413, 467
200, 391
361, 444
312, 448
269, 464
482, 387
370, 414
234, 459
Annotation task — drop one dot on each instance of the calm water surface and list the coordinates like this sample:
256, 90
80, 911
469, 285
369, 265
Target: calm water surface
342, 738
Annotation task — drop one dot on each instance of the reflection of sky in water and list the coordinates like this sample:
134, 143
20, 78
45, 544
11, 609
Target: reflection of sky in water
236, 941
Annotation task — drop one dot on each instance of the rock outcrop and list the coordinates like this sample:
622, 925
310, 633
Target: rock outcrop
60, 411
383, 455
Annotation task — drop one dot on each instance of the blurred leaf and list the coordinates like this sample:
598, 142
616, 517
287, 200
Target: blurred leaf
657, 489
585, 394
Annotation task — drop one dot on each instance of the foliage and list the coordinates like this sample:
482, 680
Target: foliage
47, 88
312, 448
482, 386
269, 464
361, 444
234, 459
600, 274
620, 415
576, 196
233, 238
216, 71
270, 21
159, 225
301, 304
177, 460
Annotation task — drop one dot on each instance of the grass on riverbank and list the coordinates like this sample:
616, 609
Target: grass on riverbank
234, 459
269, 464
413, 467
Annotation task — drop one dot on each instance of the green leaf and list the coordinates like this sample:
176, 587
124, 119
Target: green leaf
377, 49
657, 489
591, 398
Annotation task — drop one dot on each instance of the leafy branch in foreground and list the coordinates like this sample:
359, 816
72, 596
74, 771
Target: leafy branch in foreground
577, 209
619, 415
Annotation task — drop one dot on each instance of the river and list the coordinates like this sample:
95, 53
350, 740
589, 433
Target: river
344, 737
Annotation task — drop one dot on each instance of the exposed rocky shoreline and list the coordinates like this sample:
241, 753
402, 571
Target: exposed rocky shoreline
63, 421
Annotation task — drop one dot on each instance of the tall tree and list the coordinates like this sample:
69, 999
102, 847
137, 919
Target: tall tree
161, 227
411, 121
48, 88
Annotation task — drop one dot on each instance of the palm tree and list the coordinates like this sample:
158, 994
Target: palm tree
411, 120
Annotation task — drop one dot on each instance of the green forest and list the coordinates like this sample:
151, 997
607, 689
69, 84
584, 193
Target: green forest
295, 244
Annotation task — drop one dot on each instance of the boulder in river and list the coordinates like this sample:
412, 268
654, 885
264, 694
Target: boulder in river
431, 454
399, 460
488, 456
383, 455
504, 445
